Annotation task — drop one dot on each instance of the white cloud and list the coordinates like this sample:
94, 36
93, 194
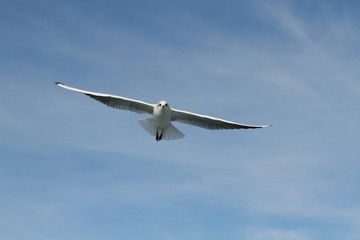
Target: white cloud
291, 169
276, 234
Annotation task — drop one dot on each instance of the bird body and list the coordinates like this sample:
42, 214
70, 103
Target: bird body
162, 114
162, 118
160, 124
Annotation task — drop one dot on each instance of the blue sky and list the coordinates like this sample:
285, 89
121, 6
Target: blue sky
72, 168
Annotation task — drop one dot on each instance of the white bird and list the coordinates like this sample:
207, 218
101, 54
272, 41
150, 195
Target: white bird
160, 125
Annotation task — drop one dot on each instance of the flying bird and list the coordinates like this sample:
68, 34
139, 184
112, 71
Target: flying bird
160, 124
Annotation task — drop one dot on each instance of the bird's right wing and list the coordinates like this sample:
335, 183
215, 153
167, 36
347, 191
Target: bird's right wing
115, 101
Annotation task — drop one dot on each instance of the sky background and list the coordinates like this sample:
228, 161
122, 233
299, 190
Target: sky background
72, 168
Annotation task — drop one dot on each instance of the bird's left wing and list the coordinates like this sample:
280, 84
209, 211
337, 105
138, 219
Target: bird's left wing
115, 101
207, 121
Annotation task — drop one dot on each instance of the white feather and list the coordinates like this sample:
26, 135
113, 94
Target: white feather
160, 125
149, 125
172, 133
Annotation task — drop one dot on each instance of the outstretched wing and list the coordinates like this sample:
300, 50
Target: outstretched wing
207, 121
115, 101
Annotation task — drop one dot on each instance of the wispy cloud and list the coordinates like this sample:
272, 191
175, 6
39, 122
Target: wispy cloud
301, 170
278, 234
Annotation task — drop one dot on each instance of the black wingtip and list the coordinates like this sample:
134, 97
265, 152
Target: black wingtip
57, 83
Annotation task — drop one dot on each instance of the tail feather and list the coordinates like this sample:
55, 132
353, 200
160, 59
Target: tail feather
170, 133
148, 125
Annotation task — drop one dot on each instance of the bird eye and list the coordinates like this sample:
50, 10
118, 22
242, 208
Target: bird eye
166, 104
159, 105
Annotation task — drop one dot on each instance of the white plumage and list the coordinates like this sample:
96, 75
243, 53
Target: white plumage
160, 125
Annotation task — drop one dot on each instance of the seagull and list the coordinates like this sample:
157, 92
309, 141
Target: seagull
160, 124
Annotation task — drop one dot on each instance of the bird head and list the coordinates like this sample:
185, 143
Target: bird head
162, 104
